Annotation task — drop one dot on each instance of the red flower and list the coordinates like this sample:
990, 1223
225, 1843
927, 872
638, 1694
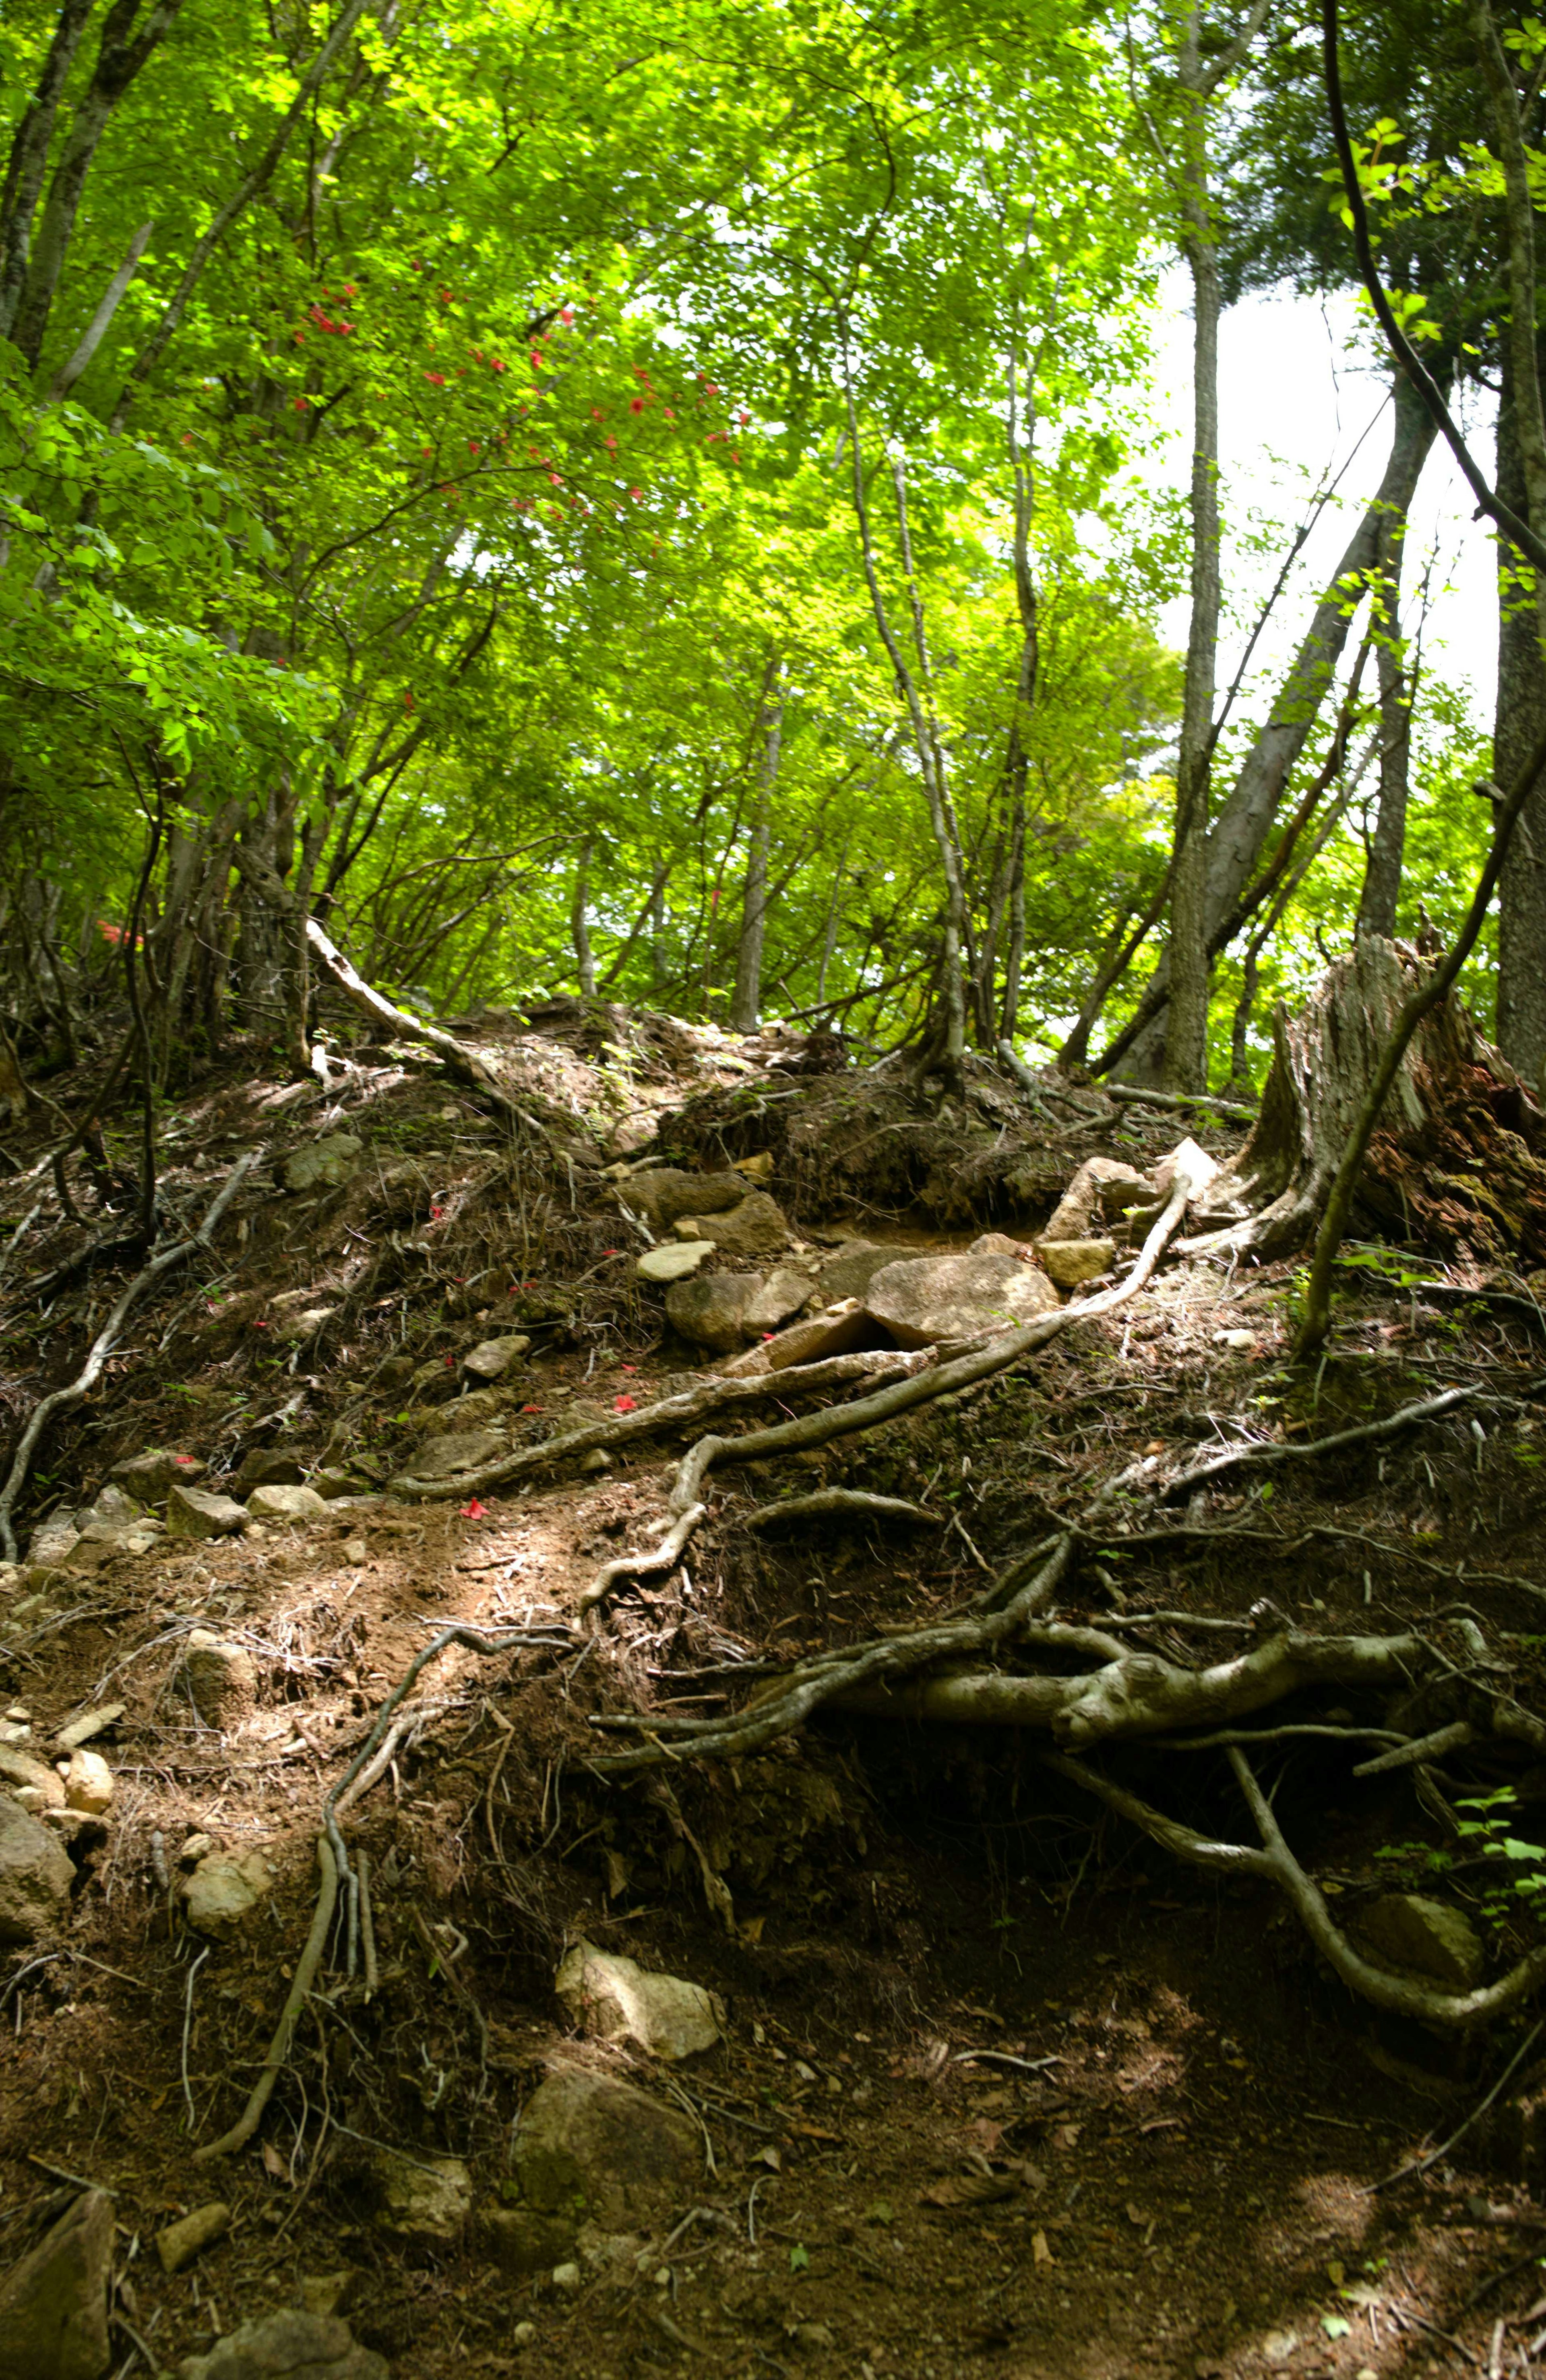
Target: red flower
531, 1408
743, 418
473, 1512
623, 1404
436, 380
616, 1252
450, 1363
625, 1367
635, 404
566, 314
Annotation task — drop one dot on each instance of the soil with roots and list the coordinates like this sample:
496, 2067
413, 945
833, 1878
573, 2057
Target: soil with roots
1012, 2081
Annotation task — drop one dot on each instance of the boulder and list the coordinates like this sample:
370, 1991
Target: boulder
491, 1358
1102, 1188
289, 2346
35, 1876
283, 1502
457, 1449
1406, 1929
194, 1512
149, 1475
922, 1300
1068, 1263
419, 2200
54, 2303
758, 1227
708, 1311
327, 1164
674, 1260
850, 1271
268, 1466
224, 1889
89, 1783
661, 1195
782, 1293
612, 1998
590, 2147
220, 1680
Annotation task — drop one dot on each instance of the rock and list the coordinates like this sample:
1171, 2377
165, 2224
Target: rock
193, 1512
452, 1451
226, 1887
615, 2000
661, 1195
673, 1261
89, 1785
54, 2303
196, 1848
53, 1540
267, 1467
332, 1482
288, 2345
1409, 1930
493, 1357
283, 1502
355, 1549
1102, 1187
850, 1271
111, 1505
181, 2242
24, 1772
219, 1678
327, 1164
422, 2201
330, 2293
149, 1475
294, 1324
523, 2336
758, 1227
518, 2239
587, 2145
922, 1300
568, 2279
1067, 1263
100, 1541
782, 1293
631, 1135
596, 1461
35, 1876
837, 1331
708, 1311
90, 1723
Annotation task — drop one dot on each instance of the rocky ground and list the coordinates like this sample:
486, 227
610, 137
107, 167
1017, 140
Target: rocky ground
878, 2048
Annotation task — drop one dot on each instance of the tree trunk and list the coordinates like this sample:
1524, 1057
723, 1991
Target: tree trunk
579, 925
28, 162
746, 1002
1519, 723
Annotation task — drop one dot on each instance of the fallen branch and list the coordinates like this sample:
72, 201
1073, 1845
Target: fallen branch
65, 1400
838, 1503
1366, 1433
463, 1063
1127, 1095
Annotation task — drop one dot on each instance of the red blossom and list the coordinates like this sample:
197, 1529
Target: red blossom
473, 1512
622, 1368
635, 404
436, 380
566, 315
531, 1408
623, 1404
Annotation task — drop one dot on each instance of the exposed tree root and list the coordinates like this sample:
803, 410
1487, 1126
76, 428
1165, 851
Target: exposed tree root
274, 2063
839, 1504
655, 1565
460, 1062
1256, 1458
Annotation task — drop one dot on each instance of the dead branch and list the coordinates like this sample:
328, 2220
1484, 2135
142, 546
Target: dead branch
838, 1503
465, 1064
63, 1400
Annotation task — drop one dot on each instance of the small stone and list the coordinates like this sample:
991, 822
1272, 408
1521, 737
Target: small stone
520, 2239
193, 1512
1239, 1340
90, 1723
422, 2201
224, 1889
452, 1451
612, 1998
589, 2145
268, 1466
283, 1502
219, 1678
758, 1227
709, 1311
523, 2336
149, 1475
1410, 1930
24, 1772
289, 2346
54, 2303
567, 2277
89, 1784
596, 1461
355, 1549
1068, 1263
850, 1271
674, 1261
328, 1163
35, 1876
181, 2242
814, 2335
330, 2293
293, 1325
196, 1848
491, 1358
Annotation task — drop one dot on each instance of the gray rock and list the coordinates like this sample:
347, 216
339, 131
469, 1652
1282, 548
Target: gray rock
1068, 1263
923, 1300
661, 1195
422, 2201
54, 2303
224, 1889
708, 1311
282, 1502
590, 2147
491, 1358
100, 1541
268, 1466
149, 1475
1427, 1935
328, 1163
782, 1293
837, 1331
758, 1227
220, 1680
850, 1271
519, 2240
35, 1876
457, 1449
1102, 1187
53, 1540
195, 1513
112, 1505
612, 1998
288, 2345
674, 1260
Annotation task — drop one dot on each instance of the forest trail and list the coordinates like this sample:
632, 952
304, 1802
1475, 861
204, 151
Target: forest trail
1000, 2085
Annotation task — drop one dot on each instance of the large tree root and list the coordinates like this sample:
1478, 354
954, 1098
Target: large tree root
460, 1062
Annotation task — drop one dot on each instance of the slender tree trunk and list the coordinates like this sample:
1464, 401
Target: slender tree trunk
579, 925
1519, 721
1382, 877
28, 162
834, 916
746, 1004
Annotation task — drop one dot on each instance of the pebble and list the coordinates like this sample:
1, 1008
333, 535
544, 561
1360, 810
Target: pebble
567, 2277
88, 1783
523, 2335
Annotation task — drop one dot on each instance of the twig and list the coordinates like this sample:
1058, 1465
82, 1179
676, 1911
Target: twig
306, 1965
838, 1503
187, 2027
1406, 2172
366, 1925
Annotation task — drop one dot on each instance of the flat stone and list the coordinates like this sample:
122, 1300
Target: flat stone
283, 1503
328, 1163
922, 1300
491, 1358
194, 1512
758, 1227
149, 1475
1103, 1186
673, 1260
589, 2146
219, 1678
782, 1293
422, 2201
35, 1876
224, 1889
850, 1271
90, 1723
613, 1999
268, 1466
1068, 1263
89, 1785
1429, 1936
181, 2242
661, 1194
708, 1311
289, 2346
837, 1331
457, 1449
54, 2303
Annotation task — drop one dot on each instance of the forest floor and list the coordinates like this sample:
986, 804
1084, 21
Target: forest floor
1001, 2089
